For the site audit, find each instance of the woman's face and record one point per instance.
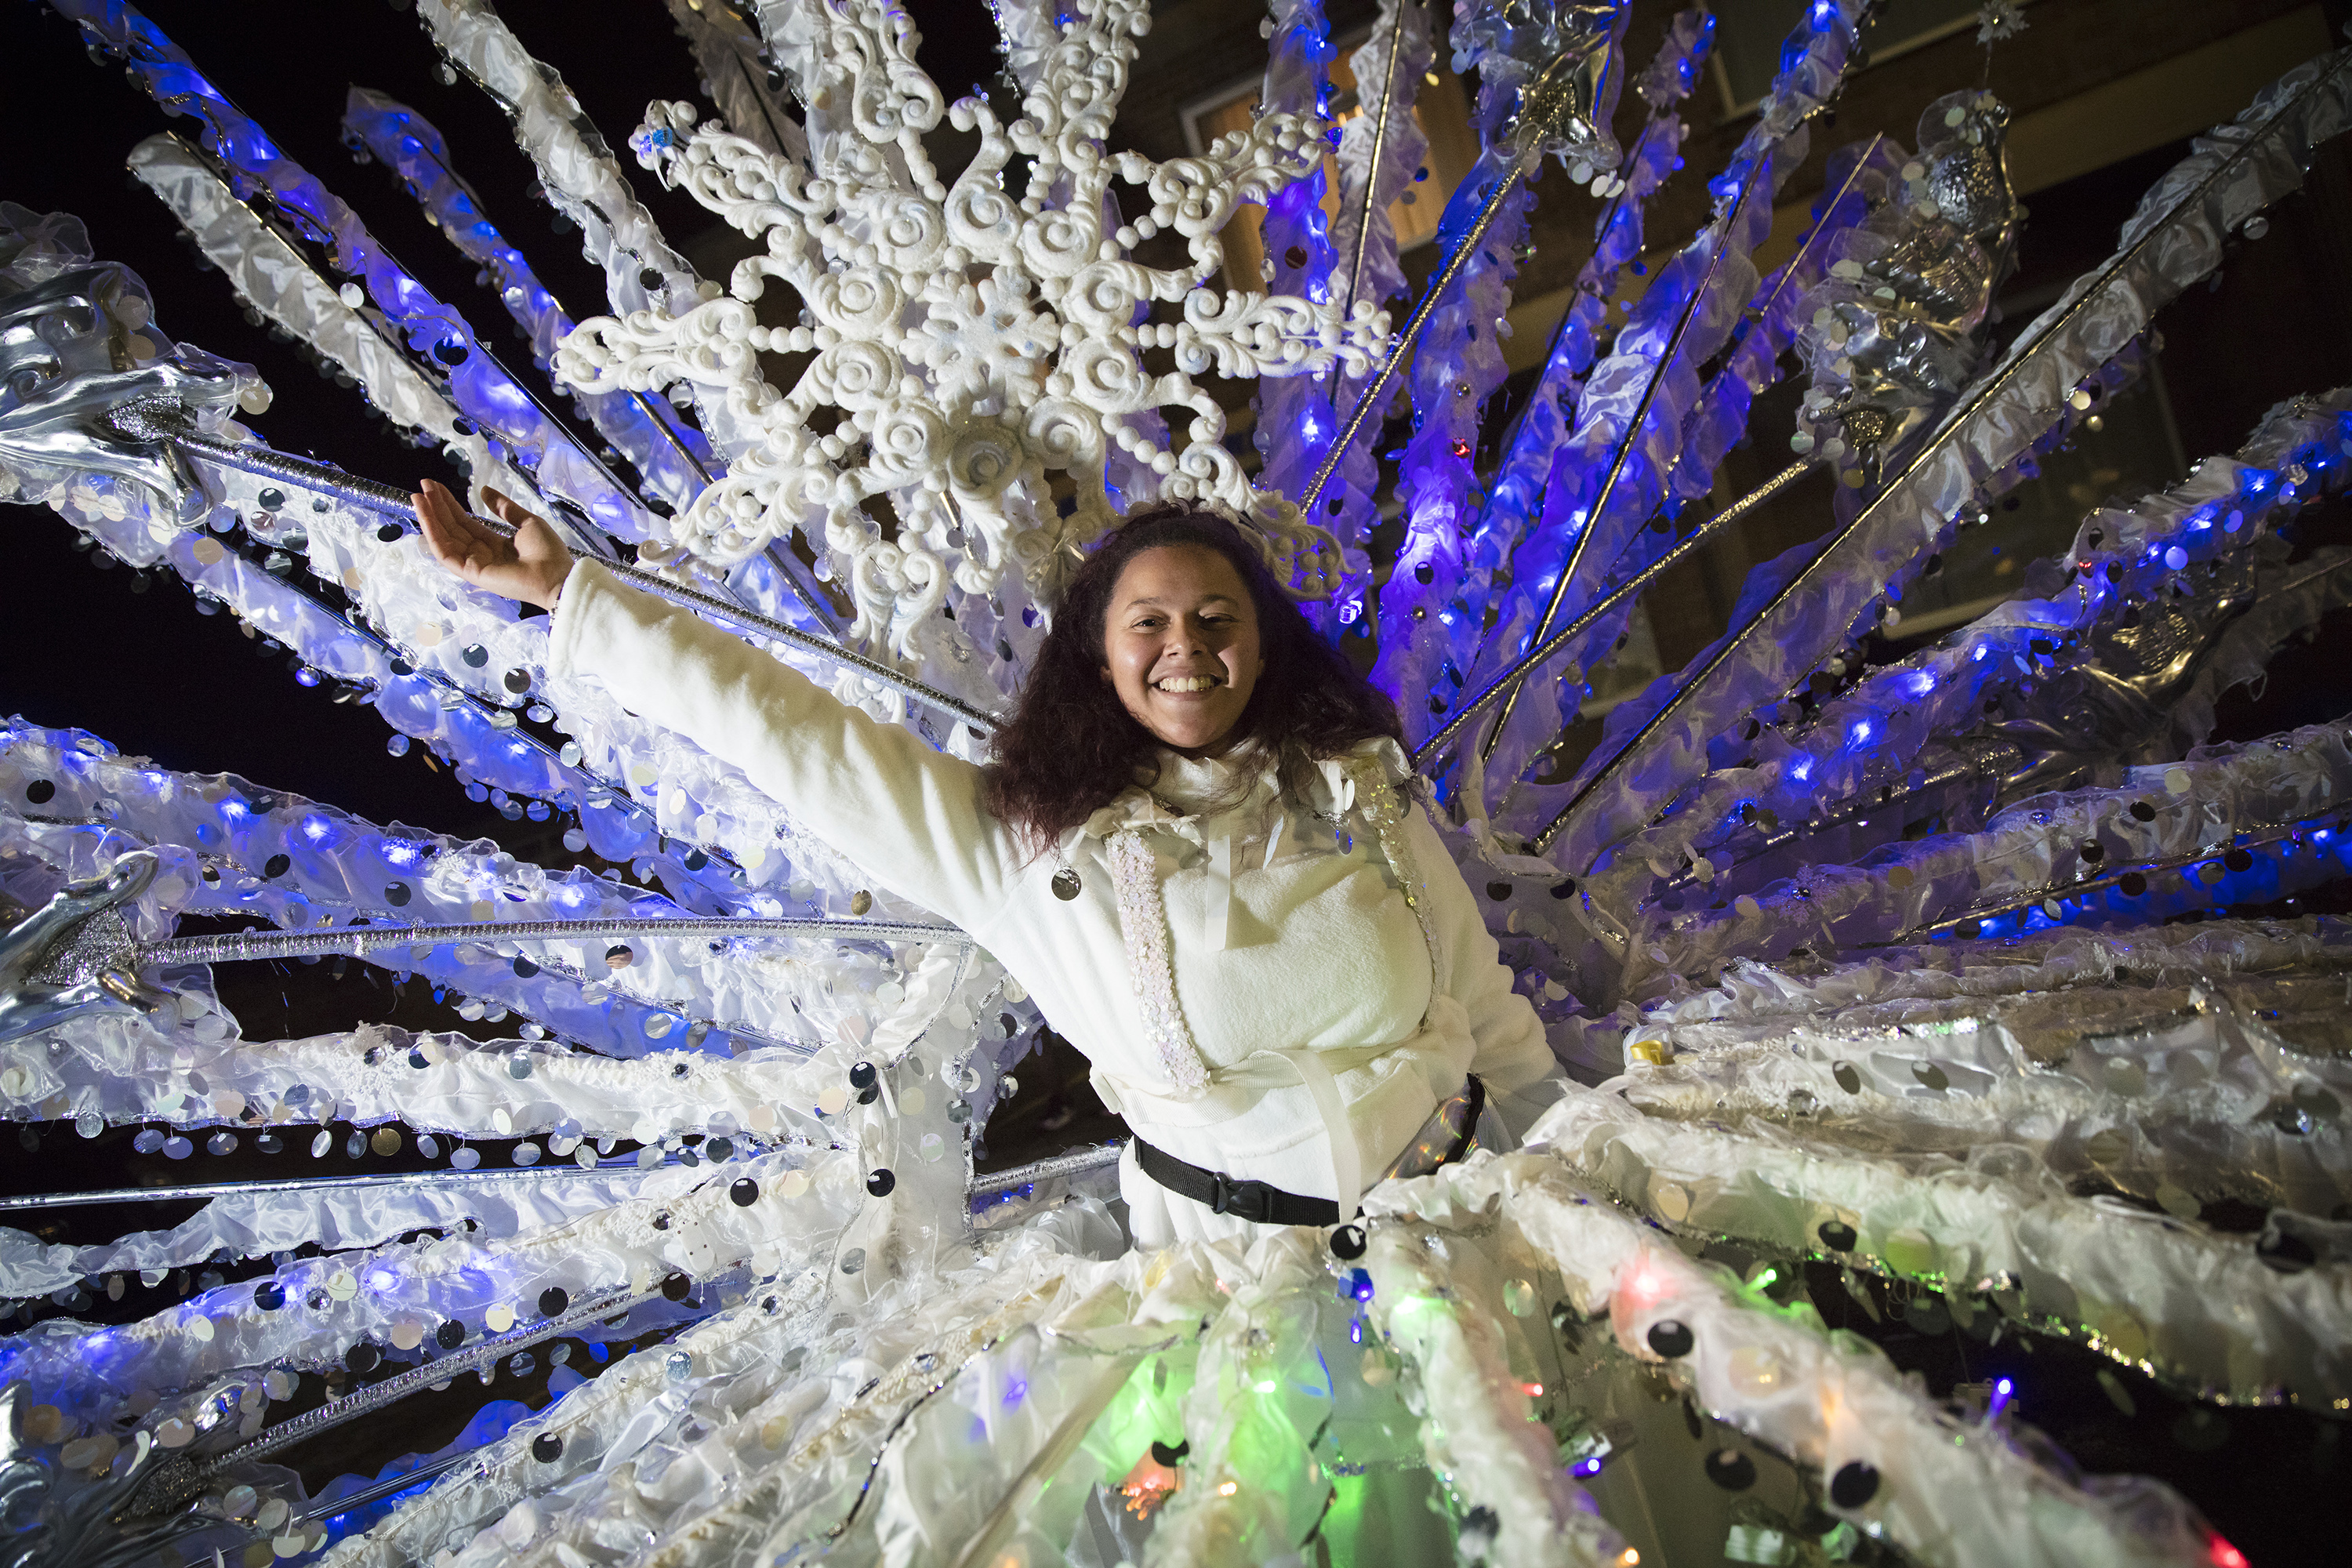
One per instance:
(1180, 646)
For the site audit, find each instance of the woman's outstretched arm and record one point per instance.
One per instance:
(907, 815)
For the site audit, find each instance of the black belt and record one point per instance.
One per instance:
(1255, 1201)
(1264, 1203)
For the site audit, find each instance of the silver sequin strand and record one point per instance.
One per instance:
(1143, 922)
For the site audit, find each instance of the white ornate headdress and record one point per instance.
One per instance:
(970, 344)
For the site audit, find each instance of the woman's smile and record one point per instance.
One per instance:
(1181, 647)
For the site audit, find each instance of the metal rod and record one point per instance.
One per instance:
(2267, 833)
(1859, 808)
(1077, 1162)
(394, 505)
(179, 1482)
(1379, 144)
(392, 1486)
(713, 607)
(1789, 267)
(789, 568)
(652, 411)
(2018, 355)
(207, 1191)
(1401, 346)
(759, 97)
(233, 947)
(1601, 231)
(1666, 358)
(555, 422)
(644, 404)
(305, 232)
(1433, 747)
(220, 453)
(268, 463)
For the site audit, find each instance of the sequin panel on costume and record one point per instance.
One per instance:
(1143, 922)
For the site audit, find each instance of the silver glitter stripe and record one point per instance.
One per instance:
(1077, 1162)
(178, 1483)
(444, 1177)
(1143, 923)
(392, 504)
(359, 940)
(1384, 806)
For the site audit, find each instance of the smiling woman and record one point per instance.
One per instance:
(1174, 596)
(1181, 647)
(1198, 803)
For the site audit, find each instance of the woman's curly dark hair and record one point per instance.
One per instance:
(1072, 746)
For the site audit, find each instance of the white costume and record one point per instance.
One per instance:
(1243, 981)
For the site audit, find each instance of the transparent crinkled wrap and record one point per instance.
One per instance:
(1011, 1405)
(1515, 491)
(2180, 1097)
(2182, 821)
(268, 271)
(1634, 417)
(1932, 714)
(2174, 239)
(670, 455)
(474, 384)
(251, 1225)
(2195, 1304)
(219, 835)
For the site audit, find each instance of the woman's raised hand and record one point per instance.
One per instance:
(530, 567)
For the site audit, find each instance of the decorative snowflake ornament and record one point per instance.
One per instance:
(970, 344)
(1999, 21)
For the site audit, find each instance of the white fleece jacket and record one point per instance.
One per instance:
(1286, 934)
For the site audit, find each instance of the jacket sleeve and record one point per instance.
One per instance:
(910, 817)
(1513, 1059)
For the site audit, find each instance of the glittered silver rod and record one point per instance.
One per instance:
(359, 940)
(712, 607)
(1400, 347)
(1379, 147)
(264, 462)
(206, 1191)
(393, 504)
(176, 1484)
(1667, 357)
(2261, 835)
(1076, 1164)
(2021, 353)
(1433, 748)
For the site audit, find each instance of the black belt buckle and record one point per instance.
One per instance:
(1251, 1201)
